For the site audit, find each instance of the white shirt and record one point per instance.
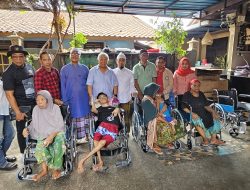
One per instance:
(125, 84)
(4, 104)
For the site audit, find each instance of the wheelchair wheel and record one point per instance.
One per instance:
(135, 126)
(219, 110)
(177, 145)
(189, 144)
(144, 148)
(178, 117)
(234, 132)
(26, 170)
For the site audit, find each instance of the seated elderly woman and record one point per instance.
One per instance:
(203, 117)
(159, 131)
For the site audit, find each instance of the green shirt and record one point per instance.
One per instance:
(144, 75)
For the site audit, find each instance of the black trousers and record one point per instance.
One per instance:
(20, 125)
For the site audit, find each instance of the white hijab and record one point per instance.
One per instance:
(46, 121)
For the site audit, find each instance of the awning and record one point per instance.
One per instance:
(182, 8)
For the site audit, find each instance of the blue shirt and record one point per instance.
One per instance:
(74, 89)
(102, 82)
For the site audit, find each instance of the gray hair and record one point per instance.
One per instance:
(102, 54)
(75, 50)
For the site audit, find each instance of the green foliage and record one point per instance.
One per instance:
(171, 36)
(221, 61)
(78, 40)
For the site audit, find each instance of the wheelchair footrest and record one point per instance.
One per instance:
(107, 152)
(30, 160)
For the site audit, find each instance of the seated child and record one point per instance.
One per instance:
(47, 127)
(165, 111)
(106, 133)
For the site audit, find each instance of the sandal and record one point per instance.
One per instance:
(9, 166)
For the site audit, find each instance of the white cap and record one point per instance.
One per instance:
(121, 56)
(75, 50)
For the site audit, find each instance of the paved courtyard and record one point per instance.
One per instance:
(221, 168)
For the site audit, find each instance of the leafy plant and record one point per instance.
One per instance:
(78, 40)
(171, 36)
(221, 61)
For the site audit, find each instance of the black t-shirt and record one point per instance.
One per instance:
(21, 81)
(105, 114)
(198, 106)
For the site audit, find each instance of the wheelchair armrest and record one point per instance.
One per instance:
(244, 95)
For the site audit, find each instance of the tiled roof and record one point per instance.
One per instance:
(91, 24)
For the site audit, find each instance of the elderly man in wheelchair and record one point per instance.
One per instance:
(202, 116)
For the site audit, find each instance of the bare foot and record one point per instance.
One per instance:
(98, 167)
(80, 168)
(38, 177)
(56, 174)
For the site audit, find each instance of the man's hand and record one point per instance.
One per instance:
(48, 141)
(25, 132)
(140, 95)
(20, 116)
(58, 102)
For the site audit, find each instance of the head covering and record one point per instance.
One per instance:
(184, 72)
(75, 50)
(151, 89)
(121, 56)
(47, 120)
(142, 51)
(16, 49)
(192, 82)
(101, 93)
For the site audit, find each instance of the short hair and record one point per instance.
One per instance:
(102, 54)
(101, 93)
(43, 53)
(161, 57)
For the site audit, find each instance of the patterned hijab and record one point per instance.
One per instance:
(46, 121)
(184, 72)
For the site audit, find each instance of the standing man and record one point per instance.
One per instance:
(18, 83)
(102, 78)
(164, 78)
(144, 73)
(126, 86)
(47, 78)
(74, 92)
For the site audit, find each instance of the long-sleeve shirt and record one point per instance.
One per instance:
(181, 83)
(125, 84)
(74, 89)
(50, 81)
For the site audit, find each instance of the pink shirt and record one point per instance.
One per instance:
(181, 83)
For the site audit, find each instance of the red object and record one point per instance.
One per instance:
(159, 81)
(204, 61)
(153, 50)
(184, 72)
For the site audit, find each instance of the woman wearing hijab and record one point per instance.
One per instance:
(182, 76)
(159, 131)
(203, 117)
(47, 127)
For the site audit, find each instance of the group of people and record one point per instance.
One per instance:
(82, 89)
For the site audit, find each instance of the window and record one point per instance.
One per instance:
(36, 44)
(4, 45)
(4, 62)
(94, 45)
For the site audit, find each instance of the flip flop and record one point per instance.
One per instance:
(102, 169)
(9, 166)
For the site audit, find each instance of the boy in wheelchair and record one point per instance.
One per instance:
(47, 127)
(106, 132)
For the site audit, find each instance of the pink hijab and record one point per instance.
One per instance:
(184, 72)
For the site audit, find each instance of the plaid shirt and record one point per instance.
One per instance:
(50, 81)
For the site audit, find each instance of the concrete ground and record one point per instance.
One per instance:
(224, 169)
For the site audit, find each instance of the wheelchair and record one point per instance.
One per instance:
(139, 130)
(118, 147)
(69, 157)
(231, 111)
